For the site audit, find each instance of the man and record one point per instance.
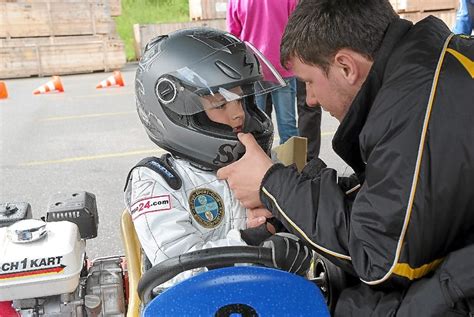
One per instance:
(404, 96)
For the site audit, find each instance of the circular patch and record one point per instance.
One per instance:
(206, 207)
(165, 91)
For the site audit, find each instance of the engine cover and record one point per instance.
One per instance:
(49, 265)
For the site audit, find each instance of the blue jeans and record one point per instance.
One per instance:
(284, 102)
(464, 18)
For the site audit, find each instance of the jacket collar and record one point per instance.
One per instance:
(346, 140)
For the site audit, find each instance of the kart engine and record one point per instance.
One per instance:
(44, 270)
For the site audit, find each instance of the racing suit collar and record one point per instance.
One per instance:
(346, 140)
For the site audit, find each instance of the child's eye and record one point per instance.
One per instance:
(220, 105)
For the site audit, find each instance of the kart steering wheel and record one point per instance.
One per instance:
(221, 256)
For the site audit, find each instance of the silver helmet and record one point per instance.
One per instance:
(177, 69)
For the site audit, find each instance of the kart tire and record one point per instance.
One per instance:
(331, 279)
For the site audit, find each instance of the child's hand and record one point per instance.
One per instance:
(257, 216)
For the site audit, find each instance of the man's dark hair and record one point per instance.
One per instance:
(317, 29)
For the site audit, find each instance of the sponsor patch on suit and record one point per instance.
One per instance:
(206, 207)
(152, 204)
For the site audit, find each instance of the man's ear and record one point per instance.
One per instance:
(347, 63)
(353, 66)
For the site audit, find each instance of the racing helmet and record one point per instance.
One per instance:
(178, 69)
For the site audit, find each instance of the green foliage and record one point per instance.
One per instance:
(148, 11)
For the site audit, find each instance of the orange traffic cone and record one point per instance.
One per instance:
(54, 85)
(113, 80)
(3, 90)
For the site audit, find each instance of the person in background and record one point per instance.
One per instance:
(465, 18)
(403, 94)
(309, 121)
(262, 22)
(195, 90)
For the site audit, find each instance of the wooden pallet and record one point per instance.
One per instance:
(114, 6)
(448, 16)
(59, 55)
(437, 5)
(39, 18)
(405, 6)
(207, 9)
(145, 32)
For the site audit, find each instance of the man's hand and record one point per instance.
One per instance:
(289, 253)
(245, 176)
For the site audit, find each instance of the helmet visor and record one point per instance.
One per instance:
(213, 81)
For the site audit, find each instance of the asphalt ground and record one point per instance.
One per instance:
(84, 139)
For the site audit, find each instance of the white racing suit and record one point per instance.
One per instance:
(172, 217)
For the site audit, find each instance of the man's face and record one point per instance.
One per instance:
(330, 91)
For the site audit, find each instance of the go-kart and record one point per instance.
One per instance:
(44, 271)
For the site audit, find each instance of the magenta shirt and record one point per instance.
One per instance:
(261, 22)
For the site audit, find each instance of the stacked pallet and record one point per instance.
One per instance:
(143, 33)
(115, 7)
(207, 9)
(416, 10)
(202, 13)
(52, 37)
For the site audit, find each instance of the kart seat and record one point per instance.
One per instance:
(134, 264)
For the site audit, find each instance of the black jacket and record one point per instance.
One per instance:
(409, 136)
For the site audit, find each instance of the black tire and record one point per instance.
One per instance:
(330, 278)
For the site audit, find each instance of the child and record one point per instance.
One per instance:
(194, 92)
